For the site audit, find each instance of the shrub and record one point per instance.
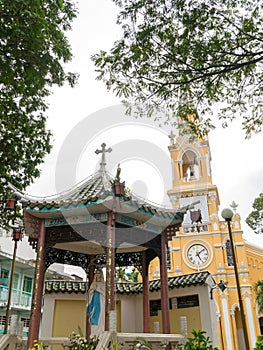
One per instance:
(199, 342)
(259, 343)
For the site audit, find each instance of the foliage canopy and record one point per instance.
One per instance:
(259, 293)
(255, 218)
(33, 49)
(177, 57)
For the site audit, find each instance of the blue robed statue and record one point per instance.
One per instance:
(96, 305)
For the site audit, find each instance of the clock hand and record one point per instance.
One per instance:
(198, 255)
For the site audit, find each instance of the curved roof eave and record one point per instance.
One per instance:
(96, 195)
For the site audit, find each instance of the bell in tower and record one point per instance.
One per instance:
(190, 166)
(192, 178)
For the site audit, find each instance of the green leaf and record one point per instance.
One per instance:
(33, 51)
(203, 52)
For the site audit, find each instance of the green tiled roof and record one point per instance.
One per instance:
(173, 282)
(183, 281)
(89, 190)
(93, 191)
(65, 287)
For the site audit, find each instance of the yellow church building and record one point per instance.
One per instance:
(202, 278)
(203, 244)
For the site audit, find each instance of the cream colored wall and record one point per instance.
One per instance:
(192, 315)
(118, 313)
(48, 315)
(69, 316)
(131, 313)
(50, 309)
(68, 311)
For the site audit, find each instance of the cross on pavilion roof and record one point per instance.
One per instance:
(96, 196)
(103, 158)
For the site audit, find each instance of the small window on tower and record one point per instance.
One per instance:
(190, 166)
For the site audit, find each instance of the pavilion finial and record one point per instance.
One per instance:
(117, 177)
(103, 158)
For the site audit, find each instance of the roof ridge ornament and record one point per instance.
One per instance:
(103, 158)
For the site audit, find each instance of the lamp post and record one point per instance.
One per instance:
(227, 214)
(221, 285)
(17, 236)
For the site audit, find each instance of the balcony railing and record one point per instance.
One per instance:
(19, 298)
(196, 227)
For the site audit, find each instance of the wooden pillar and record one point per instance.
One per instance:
(37, 287)
(91, 277)
(164, 286)
(146, 305)
(110, 269)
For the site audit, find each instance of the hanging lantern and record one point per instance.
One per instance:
(119, 188)
(17, 234)
(10, 204)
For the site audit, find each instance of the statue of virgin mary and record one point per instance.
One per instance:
(96, 305)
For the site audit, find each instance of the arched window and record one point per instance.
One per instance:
(229, 253)
(261, 324)
(190, 166)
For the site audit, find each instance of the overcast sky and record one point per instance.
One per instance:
(237, 167)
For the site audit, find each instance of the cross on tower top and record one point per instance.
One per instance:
(171, 137)
(103, 159)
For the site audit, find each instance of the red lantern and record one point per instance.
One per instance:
(119, 188)
(17, 234)
(10, 204)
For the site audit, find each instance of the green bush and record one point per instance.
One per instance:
(259, 343)
(199, 342)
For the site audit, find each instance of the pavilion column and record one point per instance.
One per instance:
(110, 271)
(37, 287)
(146, 305)
(91, 277)
(164, 286)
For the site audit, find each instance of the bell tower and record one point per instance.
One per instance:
(192, 180)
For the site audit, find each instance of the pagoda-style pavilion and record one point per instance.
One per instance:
(99, 223)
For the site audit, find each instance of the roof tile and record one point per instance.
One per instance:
(194, 279)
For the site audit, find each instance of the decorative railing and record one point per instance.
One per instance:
(125, 340)
(157, 341)
(11, 342)
(189, 228)
(19, 298)
(105, 339)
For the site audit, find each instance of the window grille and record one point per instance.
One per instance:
(229, 254)
(25, 321)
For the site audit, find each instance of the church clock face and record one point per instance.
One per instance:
(197, 254)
